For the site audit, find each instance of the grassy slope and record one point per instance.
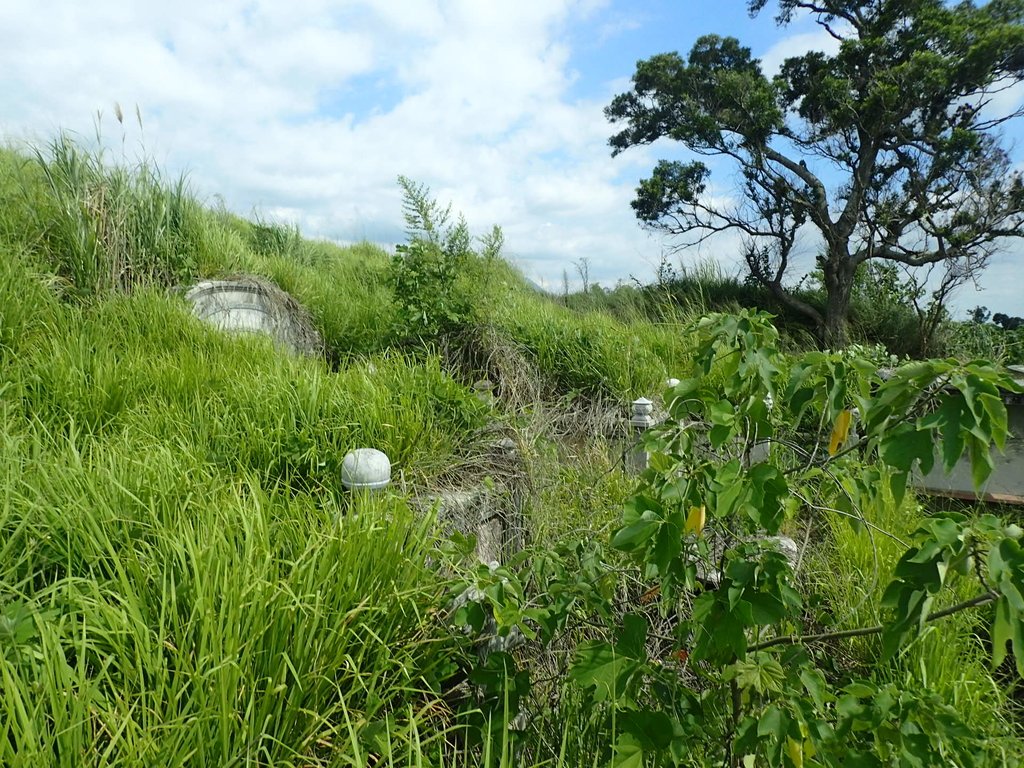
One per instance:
(175, 585)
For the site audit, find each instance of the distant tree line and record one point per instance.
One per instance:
(1006, 322)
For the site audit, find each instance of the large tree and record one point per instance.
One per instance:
(889, 149)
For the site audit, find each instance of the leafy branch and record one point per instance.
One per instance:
(713, 656)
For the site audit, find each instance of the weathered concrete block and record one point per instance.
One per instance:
(1006, 483)
(474, 512)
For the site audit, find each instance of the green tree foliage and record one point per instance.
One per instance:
(1006, 322)
(979, 315)
(887, 148)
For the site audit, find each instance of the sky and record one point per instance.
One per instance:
(307, 111)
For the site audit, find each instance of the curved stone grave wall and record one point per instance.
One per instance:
(251, 305)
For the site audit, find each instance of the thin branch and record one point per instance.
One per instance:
(860, 519)
(982, 599)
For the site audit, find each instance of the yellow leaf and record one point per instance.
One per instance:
(795, 750)
(695, 520)
(840, 432)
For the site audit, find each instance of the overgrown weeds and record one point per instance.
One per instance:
(110, 227)
(184, 580)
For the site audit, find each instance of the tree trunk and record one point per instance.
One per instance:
(839, 273)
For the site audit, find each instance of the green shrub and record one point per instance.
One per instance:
(431, 275)
(423, 277)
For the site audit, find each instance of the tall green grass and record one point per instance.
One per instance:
(852, 567)
(592, 353)
(143, 366)
(182, 581)
(110, 226)
(190, 619)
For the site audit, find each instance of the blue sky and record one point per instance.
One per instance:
(307, 111)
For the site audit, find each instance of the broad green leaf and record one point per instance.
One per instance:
(727, 475)
(837, 392)
(741, 572)
(861, 690)
(1002, 630)
(675, 490)
(981, 462)
(1012, 594)
(601, 666)
(632, 536)
(911, 606)
(795, 751)
(772, 722)
(857, 759)
(471, 614)
(765, 608)
(898, 486)
(719, 434)
(949, 419)
(996, 411)
(922, 567)
(728, 487)
(768, 489)
(633, 636)
(759, 673)
(997, 565)
(946, 530)
(814, 683)
(628, 753)
(799, 401)
(652, 730)
(17, 625)
(721, 633)
(849, 706)
(723, 412)
(903, 445)
(1018, 645)
(667, 545)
